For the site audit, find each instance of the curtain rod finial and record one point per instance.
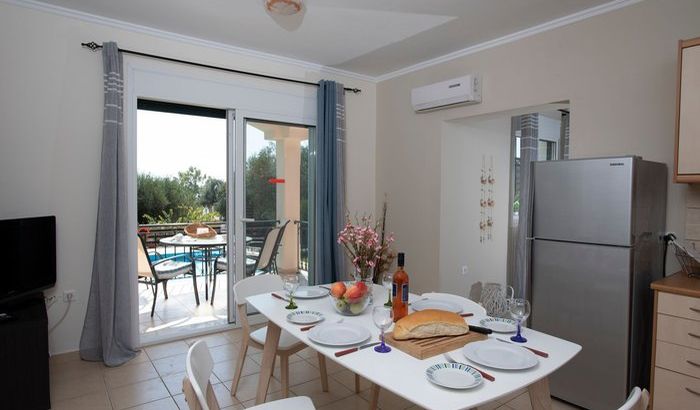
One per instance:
(91, 45)
(354, 90)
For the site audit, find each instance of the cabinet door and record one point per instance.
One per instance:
(688, 121)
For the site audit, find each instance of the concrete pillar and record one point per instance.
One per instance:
(288, 161)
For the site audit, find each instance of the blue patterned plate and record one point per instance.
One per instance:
(454, 375)
(305, 317)
(499, 325)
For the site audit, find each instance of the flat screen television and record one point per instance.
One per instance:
(27, 256)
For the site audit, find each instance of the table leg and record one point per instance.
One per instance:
(540, 398)
(268, 361)
(374, 397)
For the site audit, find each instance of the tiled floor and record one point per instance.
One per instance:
(179, 314)
(154, 381)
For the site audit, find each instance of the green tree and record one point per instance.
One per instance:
(260, 194)
(191, 181)
(213, 195)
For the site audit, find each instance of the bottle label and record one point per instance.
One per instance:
(393, 290)
(404, 292)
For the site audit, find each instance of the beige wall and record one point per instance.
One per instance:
(616, 69)
(50, 134)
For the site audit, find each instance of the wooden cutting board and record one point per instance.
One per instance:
(425, 348)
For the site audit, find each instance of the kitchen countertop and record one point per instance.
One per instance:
(678, 283)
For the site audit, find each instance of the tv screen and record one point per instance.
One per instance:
(28, 255)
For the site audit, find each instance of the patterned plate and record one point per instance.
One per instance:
(305, 317)
(499, 325)
(454, 375)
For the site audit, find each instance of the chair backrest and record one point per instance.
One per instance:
(269, 248)
(199, 368)
(143, 265)
(250, 286)
(469, 305)
(637, 400)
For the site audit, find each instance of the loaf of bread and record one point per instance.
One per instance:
(430, 323)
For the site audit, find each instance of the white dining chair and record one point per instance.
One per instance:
(288, 344)
(468, 305)
(637, 400)
(199, 393)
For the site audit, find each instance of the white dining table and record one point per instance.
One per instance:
(403, 374)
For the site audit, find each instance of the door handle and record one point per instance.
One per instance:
(696, 310)
(247, 220)
(694, 335)
(692, 391)
(693, 363)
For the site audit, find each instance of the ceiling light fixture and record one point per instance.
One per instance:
(283, 7)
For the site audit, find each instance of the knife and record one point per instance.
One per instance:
(535, 351)
(354, 349)
(479, 329)
(274, 295)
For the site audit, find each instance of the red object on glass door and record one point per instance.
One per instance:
(276, 180)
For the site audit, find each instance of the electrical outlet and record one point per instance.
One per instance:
(465, 270)
(70, 295)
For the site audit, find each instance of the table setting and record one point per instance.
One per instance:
(466, 376)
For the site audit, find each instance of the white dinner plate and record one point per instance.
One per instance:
(454, 375)
(498, 355)
(305, 317)
(339, 334)
(499, 325)
(438, 304)
(310, 292)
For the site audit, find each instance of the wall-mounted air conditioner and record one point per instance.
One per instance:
(445, 94)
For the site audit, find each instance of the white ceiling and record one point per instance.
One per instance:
(369, 37)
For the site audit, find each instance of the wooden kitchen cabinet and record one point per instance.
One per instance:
(687, 158)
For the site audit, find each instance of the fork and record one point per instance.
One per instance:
(483, 373)
(535, 351)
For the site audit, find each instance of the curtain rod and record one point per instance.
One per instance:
(94, 47)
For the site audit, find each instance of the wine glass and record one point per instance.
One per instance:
(383, 317)
(291, 283)
(388, 282)
(519, 310)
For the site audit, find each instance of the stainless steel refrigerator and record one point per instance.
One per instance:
(597, 244)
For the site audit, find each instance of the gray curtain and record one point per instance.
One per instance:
(330, 182)
(528, 154)
(110, 333)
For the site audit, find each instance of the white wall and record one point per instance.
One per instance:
(464, 143)
(618, 70)
(50, 133)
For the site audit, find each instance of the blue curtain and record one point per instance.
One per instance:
(329, 259)
(110, 333)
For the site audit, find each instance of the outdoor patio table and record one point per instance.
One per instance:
(207, 245)
(403, 374)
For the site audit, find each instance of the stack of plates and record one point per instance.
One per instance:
(310, 292)
(438, 304)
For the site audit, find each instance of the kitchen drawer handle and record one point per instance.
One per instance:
(693, 363)
(696, 310)
(692, 391)
(694, 335)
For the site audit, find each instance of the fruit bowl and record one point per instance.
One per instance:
(350, 298)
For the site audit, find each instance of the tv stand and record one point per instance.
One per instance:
(24, 355)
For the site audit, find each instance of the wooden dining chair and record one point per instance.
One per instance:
(637, 400)
(162, 270)
(288, 344)
(199, 393)
(469, 305)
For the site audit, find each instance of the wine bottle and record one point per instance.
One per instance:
(399, 290)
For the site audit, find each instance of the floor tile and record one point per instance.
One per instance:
(247, 387)
(163, 404)
(223, 396)
(505, 399)
(225, 352)
(93, 401)
(173, 382)
(349, 403)
(138, 393)
(302, 372)
(167, 349)
(225, 370)
(521, 402)
(313, 389)
(63, 388)
(171, 365)
(234, 335)
(180, 401)
(212, 340)
(128, 374)
(388, 400)
(64, 357)
(347, 379)
(76, 369)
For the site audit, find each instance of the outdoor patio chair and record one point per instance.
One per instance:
(259, 264)
(162, 270)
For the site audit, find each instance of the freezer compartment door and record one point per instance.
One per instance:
(581, 293)
(586, 201)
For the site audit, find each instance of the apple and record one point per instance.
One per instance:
(338, 289)
(353, 293)
(357, 308)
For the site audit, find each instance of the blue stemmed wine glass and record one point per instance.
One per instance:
(519, 310)
(383, 317)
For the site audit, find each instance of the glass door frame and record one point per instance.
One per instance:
(237, 205)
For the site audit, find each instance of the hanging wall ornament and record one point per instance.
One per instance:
(483, 201)
(490, 202)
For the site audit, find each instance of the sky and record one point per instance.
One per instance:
(169, 143)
